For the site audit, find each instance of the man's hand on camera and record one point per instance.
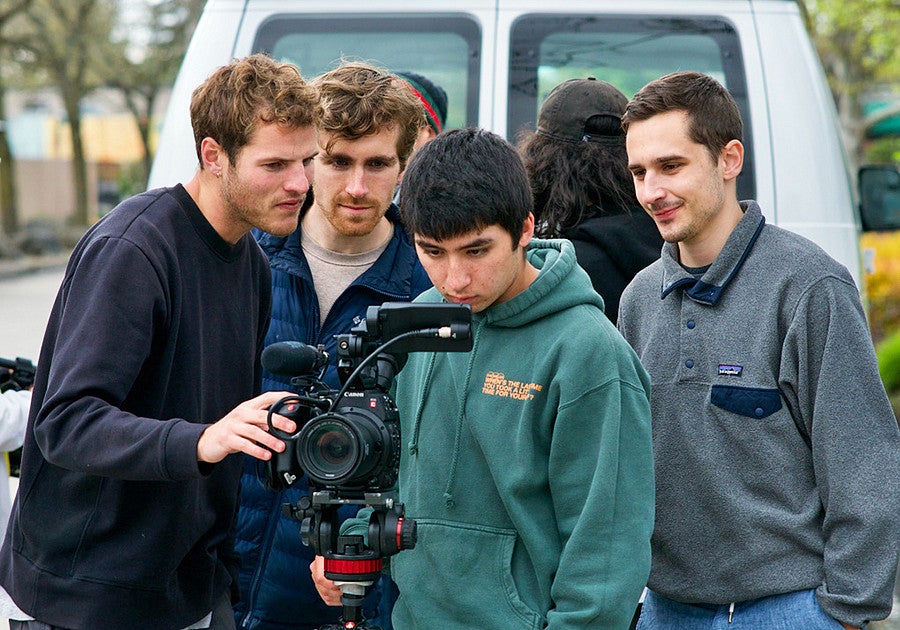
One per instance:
(328, 591)
(245, 430)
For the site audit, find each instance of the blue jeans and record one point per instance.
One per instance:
(787, 611)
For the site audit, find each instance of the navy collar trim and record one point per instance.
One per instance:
(710, 294)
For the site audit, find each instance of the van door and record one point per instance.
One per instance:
(444, 45)
(627, 50)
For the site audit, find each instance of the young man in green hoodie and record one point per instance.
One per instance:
(527, 462)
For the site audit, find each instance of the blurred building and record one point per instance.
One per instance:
(38, 133)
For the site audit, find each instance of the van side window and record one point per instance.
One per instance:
(446, 48)
(627, 51)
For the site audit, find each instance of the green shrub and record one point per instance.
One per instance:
(889, 362)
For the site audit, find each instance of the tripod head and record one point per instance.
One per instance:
(351, 561)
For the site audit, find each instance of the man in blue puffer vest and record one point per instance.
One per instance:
(350, 252)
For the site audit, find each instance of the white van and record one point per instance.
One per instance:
(498, 59)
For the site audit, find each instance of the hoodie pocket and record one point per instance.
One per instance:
(461, 575)
(746, 401)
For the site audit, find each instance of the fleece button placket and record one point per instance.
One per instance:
(688, 336)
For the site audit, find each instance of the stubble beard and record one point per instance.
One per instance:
(242, 206)
(354, 226)
(698, 219)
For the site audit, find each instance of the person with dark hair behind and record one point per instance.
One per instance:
(582, 188)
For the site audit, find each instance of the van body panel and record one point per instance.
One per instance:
(816, 189)
(498, 59)
(176, 156)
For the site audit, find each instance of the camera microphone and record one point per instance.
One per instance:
(290, 358)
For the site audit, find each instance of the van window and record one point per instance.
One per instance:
(627, 51)
(447, 49)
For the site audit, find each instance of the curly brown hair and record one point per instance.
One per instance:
(359, 100)
(236, 98)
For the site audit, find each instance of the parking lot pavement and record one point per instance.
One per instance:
(11, 268)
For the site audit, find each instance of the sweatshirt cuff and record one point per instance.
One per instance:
(180, 451)
(842, 610)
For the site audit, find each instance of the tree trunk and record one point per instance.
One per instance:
(147, 156)
(79, 164)
(141, 107)
(9, 202)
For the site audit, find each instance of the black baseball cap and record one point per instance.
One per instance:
(583, 110)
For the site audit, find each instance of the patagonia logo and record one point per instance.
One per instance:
(730, 370)
(496, 384)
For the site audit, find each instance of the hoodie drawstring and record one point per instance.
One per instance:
(417, 424)
(451, 477)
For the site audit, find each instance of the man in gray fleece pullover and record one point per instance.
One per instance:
(777, 453)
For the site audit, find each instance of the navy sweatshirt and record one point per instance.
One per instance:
(156, 332)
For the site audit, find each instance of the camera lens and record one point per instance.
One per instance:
(333, 444)
(328, 449)
(349, 447)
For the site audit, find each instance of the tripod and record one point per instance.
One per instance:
(352, 561)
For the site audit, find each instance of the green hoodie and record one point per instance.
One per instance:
(527, 465)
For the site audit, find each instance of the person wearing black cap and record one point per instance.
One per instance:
(582, 188)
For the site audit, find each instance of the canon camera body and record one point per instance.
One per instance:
(348, 440)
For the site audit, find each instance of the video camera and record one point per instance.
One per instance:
(348, 441)
(16, 375)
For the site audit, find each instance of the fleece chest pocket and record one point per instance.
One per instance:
(752, 402)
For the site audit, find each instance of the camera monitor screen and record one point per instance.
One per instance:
(395, 318)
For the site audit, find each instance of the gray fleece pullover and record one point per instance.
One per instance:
(777, 453)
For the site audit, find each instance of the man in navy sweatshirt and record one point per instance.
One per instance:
(149, 378)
